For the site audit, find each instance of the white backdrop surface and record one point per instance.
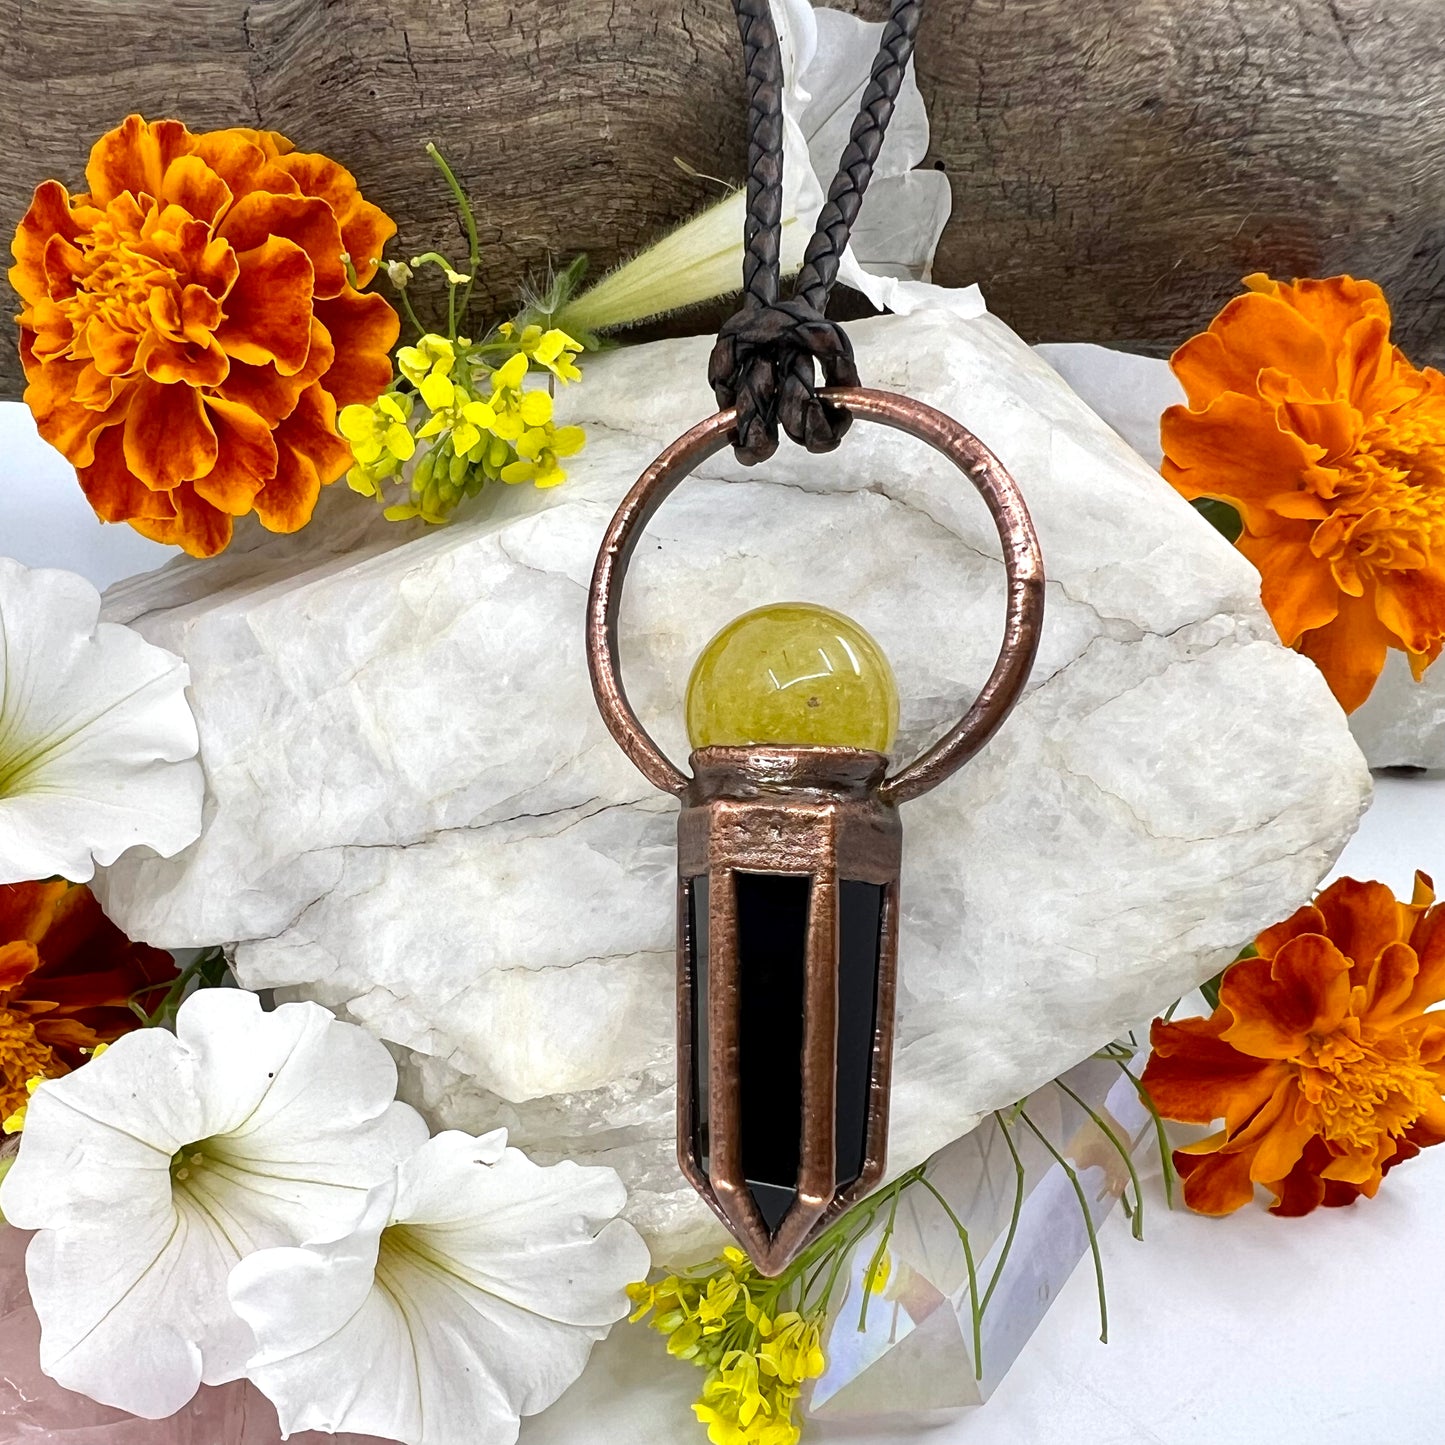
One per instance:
(1328, 1330)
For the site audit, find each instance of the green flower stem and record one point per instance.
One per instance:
(975, 1306)
(474, 250)
(1013, 1224)
(1073, 1178)
(1166, 1157)
(448, 270)
(207, 969)
(840, 1256)
(411, 315)
(1137, 1218)
(875, 1260)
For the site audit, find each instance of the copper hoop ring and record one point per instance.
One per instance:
(1022, 561)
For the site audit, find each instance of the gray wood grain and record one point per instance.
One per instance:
(1117, 164)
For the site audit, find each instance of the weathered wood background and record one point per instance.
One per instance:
(1117, 165)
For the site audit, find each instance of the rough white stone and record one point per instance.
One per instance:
(1402, 722)
(416, 816)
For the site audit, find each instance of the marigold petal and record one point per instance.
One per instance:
(1302, 1190)
(1281, 1143)
(310, 455)
(363, 329)
(262, 216)
(1252, 333)
(1333, 426)
(1362, 1167)
(51, 213)
(1303, 920)
(192, 185)
(27, 910)
(135, 157)
(194, 363)
(1298, 590)
(197, 527)
(1350, 651)
(365, 228)
(1235, 450)
(1388, 985)
(245, 458)
(268, 311)
(1216, 1181)
(1277, 1003)
(1411, 603)
(270, 395)
(1362, 918)
(168, 438)
(114, 491)
(71, 428)
(234, 156)
(19, 958)
(1428, 941)
(1195, 1077)
(112, 350)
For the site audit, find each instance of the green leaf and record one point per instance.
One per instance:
(1221, 516)
(1210, 989)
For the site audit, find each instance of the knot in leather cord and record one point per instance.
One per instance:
(768, 354)
(765, 363)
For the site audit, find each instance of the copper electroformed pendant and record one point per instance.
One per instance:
(788, 866)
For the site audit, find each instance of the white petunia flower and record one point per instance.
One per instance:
(153, 1169)
(469, 1292)
(827, 60)
(97, 741)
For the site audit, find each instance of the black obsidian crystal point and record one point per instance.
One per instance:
(772, 911)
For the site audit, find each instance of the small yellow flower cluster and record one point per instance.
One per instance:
(725, 1319)
(466, 439)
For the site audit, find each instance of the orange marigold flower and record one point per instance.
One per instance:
(1331, 446)
(1321, 1058)
(189, 328)
(66, 972)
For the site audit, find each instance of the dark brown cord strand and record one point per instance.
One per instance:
(768, 353)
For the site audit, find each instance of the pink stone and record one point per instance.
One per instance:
(34, 1410)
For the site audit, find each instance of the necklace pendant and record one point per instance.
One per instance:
(788, 862)
(788, 889)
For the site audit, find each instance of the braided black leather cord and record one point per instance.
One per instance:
(767, 353)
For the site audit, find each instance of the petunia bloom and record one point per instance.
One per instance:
(151, 1171)
(97, 741)
(189, 328)
(1321, 1059)
(466, 1292)
(1330, 445)
(66, 975)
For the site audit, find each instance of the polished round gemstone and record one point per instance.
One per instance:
(793, 674)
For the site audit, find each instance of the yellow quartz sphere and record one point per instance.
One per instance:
(793, 674)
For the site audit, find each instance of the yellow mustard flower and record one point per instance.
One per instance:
(795, 1351)
(538, 451)
(879, 1272)
(552, 348)
(432, 355)
(724, 1320)
(380, 440)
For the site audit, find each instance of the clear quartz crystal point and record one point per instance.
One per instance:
(913, 1361)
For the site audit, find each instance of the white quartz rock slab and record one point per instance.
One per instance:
(416, 816)
(1402, 722)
